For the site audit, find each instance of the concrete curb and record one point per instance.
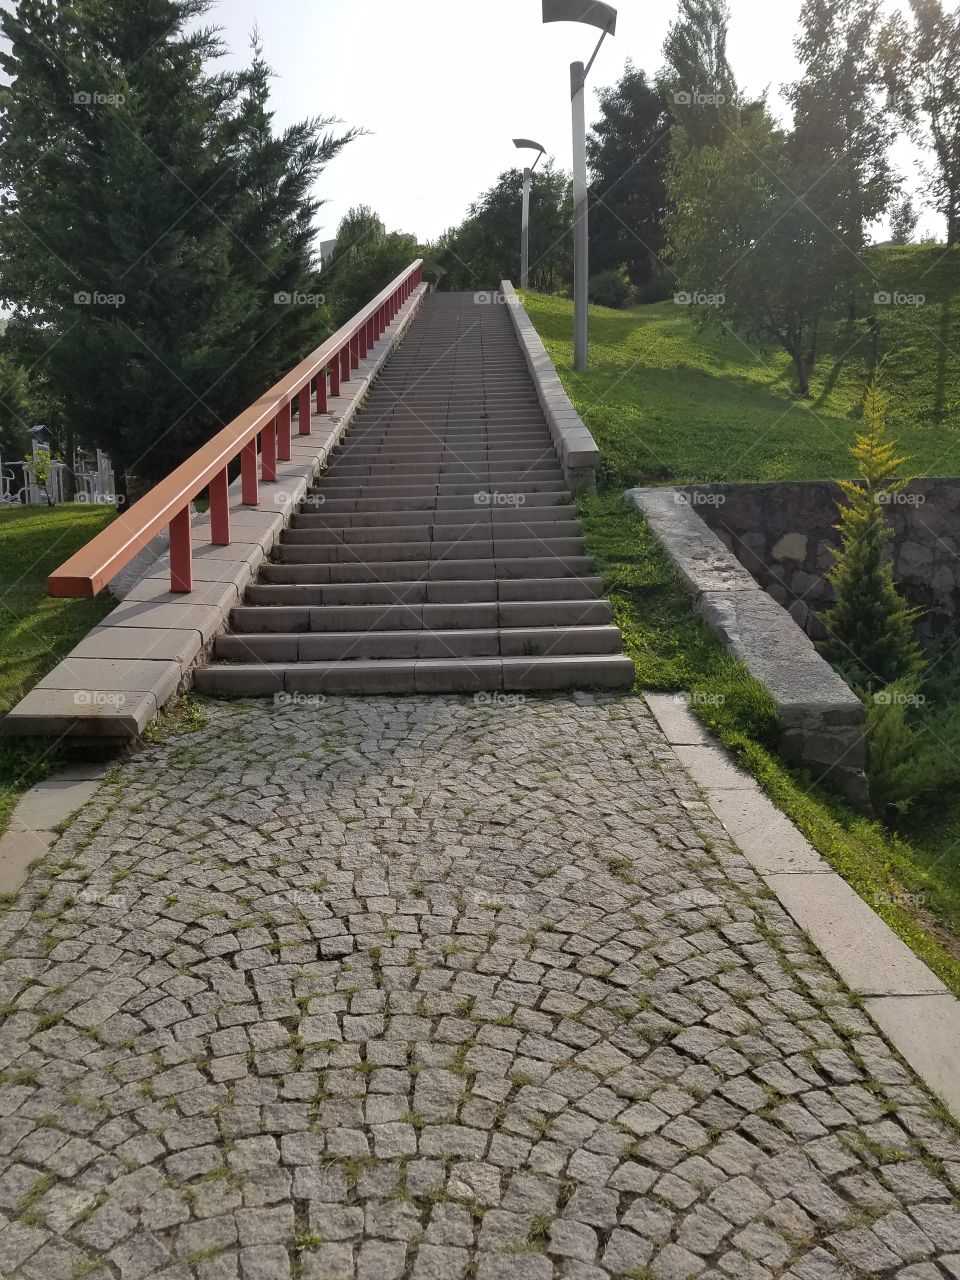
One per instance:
(32, 830)
(908, 1002)
(575, 446)
(821, 719)
(115, 682)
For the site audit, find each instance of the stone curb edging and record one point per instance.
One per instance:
(39, 812)
(116, 680)
(821, 719)
(916, 1012)
(575, 446)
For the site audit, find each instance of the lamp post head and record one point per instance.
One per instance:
(592, 12)
(527, 144)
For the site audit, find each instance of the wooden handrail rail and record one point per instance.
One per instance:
(167, 504)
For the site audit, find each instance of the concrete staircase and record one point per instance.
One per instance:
(440, 551)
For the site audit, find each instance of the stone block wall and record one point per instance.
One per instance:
(821, 719)
(782, 533)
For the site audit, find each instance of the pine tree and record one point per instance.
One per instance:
(697, 75)
(365, 259)
(870, 626)
(841, 131)
(130, 237)
(273, 223)
(903, 221)
(920, 60)
(628, 148)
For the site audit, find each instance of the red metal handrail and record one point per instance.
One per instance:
(269, 420)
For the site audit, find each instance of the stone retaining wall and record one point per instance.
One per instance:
(782, 533)
(821, 719)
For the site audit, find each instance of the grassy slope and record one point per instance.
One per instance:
(36, 630)
(666, 403)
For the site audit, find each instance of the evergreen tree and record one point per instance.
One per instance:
(273, 225)
(871, 628)
(129, 237)
(697, 75)
(841, 128)
(485, 248)
(903, 221)
(921, 60)
(628, 149)
(366, 257)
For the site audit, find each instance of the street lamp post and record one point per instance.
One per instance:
(526, 144)
(604, 16)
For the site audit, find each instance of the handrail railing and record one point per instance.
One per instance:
(268, 421)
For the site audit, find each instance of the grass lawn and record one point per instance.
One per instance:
(668, 404)
(35, 629)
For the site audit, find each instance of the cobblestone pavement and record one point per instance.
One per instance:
(416, 988)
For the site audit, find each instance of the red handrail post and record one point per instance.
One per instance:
(345, 364)
(304, 411)
(335, 375)
(322, 391)
(181, 553)
(268, 452)
(219, 510)
(285, 432)
(354, 349)
(362, 344)
(249, 485)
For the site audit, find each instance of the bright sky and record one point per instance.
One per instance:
(444, 85)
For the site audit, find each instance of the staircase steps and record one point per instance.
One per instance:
(440, 550)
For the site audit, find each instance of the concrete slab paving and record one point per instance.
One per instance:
(926, 1029)
(443, 987)
(673, 715)
(852, 937)
(769, 840)
(713, 768)
(173, 643)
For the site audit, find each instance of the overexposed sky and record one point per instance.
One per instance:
(444, 85)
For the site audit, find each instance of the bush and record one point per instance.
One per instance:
(870, 627)
(911, 749)
(610, 289)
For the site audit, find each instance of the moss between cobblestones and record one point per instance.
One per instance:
(674, 651)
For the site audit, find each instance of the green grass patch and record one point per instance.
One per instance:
(36, 630)
(913, 884)
(669, 404)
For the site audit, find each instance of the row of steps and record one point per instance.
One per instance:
(440, 550)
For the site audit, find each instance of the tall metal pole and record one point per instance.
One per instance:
(525, 232)
(581, 249)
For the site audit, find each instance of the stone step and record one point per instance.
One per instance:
(421, 642)
(435, 570)
(457, 549)
(332, 488)
(416, 675)
(393, 616)
(389, 453)
(440, 549)
(457, 469)
(480, 529)
(270, 592)
(322, 518)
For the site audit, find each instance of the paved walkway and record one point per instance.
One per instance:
(419, 988)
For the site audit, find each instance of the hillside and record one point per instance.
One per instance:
(668, 403)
